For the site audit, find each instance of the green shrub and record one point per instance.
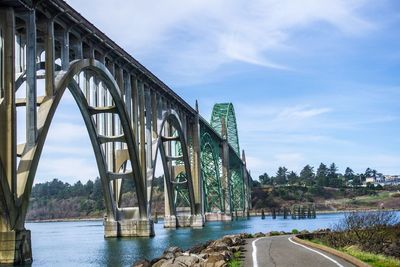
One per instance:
(273, 233)
(295, 231)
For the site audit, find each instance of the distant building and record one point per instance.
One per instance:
(370, 180)
(391, 179)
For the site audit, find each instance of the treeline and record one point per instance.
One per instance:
(323, 176)
(58, 200)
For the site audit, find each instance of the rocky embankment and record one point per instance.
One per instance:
(211, 254)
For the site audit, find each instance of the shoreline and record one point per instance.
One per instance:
(252, 214)
(66, 220)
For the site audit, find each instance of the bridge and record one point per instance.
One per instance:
(132, 118)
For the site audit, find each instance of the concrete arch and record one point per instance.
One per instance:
(30, 158)
(172, 119)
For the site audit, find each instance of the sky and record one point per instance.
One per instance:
(311, 81)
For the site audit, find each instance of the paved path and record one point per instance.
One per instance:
(281, 251)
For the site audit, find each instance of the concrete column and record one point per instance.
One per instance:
(31, 95)
(246, 184)
(135, 108)
(49, 60)
(142, 131)
(128, 95)
(154, 114)
(8, 117)
(15, 244)
(226, 183)
(170, 219)
(196, 165)
(148, 117)
(65, 50)
(86, 86)
(117, 184)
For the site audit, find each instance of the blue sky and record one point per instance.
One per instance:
(311, 81)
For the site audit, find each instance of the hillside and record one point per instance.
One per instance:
(325, 198)
(57, 200)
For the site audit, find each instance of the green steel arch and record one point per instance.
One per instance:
(223, 115)
(226, 113)
(237, 187)
(210, 171)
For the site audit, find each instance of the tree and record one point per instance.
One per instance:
(368, 172)
(332, 171)
(255, 183)
(322, 175)
(292, 177)
(357, 180)
(264, 179)
(307, 174)
(348, 174)
(333, 177)
(281, 175)
(89, 187)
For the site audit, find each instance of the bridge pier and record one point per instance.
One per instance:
(172, 221)
(128, 228)
(217, 216)
(15, 247)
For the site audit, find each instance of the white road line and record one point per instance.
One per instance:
(323, 255)
(254, 254)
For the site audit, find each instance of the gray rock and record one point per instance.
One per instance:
(142, 263)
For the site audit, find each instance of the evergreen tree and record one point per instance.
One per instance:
(333, 177)
(348, 174)
(292, 177)
(264, 179)
(307, 175)
(281, 175)
(368, 173)
(322, 175)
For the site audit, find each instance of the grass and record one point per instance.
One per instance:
(235, 261)
(375, 260)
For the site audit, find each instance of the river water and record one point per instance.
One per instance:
(82, 243)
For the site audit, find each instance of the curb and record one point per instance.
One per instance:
(332, 251)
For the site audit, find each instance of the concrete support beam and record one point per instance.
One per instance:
(49, 60)
(142, 131)
(225, 181)
(135, 108)
(196, 166)
(8, 135)
(15, 245)
(65, 50)
(31, 95)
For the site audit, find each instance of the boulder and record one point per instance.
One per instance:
(214, 257)
(172, 252)
(187, 260)
(158, 263)
(142, 263)
(198, 248)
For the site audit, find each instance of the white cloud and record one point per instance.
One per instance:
(274, 117)
(212, 33)
(301, 113)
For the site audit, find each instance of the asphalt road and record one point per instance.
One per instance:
(280, 251)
